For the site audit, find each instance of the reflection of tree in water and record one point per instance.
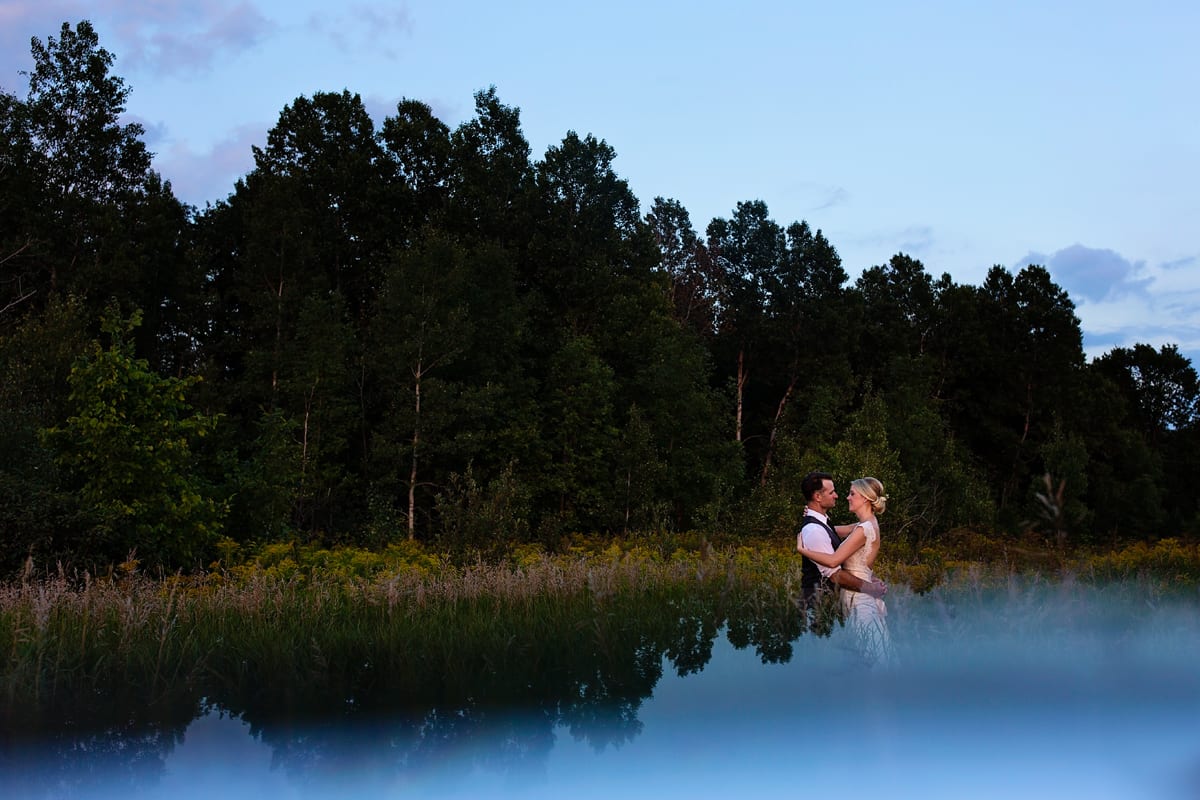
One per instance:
(116, 738)
(766, 616)
(496, 702)
(396, 708)
(499, 703)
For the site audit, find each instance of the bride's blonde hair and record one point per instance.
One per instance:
(871, 489)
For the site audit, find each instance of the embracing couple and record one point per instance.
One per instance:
(839, 558)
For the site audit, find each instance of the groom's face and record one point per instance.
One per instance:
(827, 497)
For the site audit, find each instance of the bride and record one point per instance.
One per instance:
(856, 554)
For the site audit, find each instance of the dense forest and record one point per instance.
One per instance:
(408, 331)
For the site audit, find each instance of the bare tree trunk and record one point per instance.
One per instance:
(1028, 410)
(741, 385)
(308, 404)
(628, 495)
(416, 441)
(1012, 480)
(775, 428)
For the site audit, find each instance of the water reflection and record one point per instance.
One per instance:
(1034, 690)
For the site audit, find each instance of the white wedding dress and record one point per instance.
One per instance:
(867, 615)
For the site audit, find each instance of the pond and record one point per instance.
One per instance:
(1031, 689)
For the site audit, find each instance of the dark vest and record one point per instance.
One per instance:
(811, 578)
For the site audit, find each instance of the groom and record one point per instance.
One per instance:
(817, 534)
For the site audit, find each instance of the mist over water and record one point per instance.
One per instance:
(1028, 690)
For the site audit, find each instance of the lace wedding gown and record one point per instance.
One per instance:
(867, 615)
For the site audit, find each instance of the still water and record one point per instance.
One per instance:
(1051, 690)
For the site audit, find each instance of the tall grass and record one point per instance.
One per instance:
(294, 629)
(280, 634)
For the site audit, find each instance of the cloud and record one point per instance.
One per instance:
(913, 240)
(1122, 302)
(200, 178)
(823, 196)
(374, 27)
(1139, 321)
(20, 21)
(381, 108)
(155, 132)
(166, 36)
(1092, 274)
(187, 37)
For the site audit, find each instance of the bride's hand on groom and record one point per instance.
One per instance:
(875, 588)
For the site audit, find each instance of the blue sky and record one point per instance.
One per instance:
(964, 134)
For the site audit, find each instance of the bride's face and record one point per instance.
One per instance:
(854, 500)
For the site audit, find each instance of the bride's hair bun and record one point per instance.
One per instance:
(872, 489)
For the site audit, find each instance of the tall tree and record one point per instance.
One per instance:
(421, 328)
(324, 151)
(295, 259)
(1157, 391)
(83, 158)
(1160, 387)
(580, 435)
(19, 190)
(490, 173)
(589, 242)
(417, 150)
(694, 284)
(810, 328)
(83, 211)
(748, 249)
(1014, 352)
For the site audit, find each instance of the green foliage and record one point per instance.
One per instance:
(40, 515)
(489, 521)
(129, 444)
(1066, 459)
(262, 487)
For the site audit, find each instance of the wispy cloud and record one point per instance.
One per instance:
(822, 196)
(377, 27)
(915, 240)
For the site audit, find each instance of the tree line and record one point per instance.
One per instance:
(413, 331)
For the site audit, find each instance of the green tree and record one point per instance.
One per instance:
(1158, 392)
(747, 249)
(82, 212)
(40, 514)
(130, 443)
(1160, 387)
(421, 328)
(580, 433)
(809, 332)
(1012, 357)
(899, 322)
(325, 153)
(83, 162)
(693, 283)
(295, 260)
(490, 174)
(417, 155)
(590, 239)
(19, 187)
